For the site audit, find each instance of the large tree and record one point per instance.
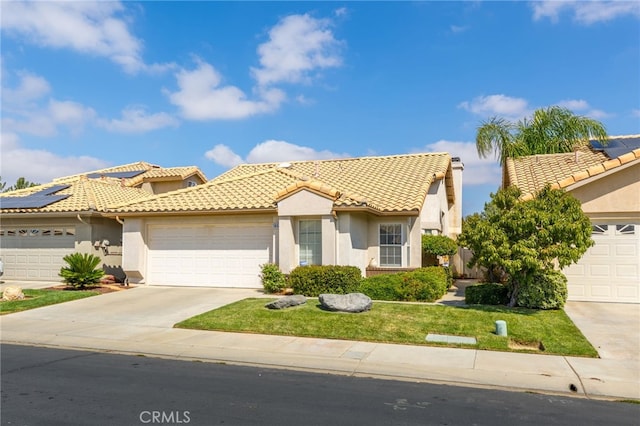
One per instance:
(550, 130)
(527, 239)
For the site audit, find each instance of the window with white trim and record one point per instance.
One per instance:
(390, 244)
(310, 241)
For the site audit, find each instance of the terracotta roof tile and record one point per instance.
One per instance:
(385, 184)
(100, 193)
(84, 195)
(531, 173)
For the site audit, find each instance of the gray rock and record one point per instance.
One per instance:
(287, 302)
(352, 302)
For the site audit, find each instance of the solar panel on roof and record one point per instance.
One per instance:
(36, 200)
(617, 146)
(117, 175)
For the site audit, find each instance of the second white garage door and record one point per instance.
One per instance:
(211, 256)
(610, 270)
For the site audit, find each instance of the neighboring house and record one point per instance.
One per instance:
(42, 224)
(606, 180)
(367, 212)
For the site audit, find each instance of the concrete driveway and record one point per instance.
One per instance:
(139, 306)
(612, 328)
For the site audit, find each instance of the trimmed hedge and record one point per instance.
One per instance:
(313, 280)
(545, 290)
(422, 285)
(487, 294)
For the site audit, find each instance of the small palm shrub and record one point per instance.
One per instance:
(82, 270)
(273, 280)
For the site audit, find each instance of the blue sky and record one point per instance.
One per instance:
(213, 84)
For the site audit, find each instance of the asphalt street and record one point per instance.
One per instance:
(43, 386)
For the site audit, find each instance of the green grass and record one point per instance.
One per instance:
(37, 298)
(402, 323)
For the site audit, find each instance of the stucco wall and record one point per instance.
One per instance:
(353, 243)
(616, 195)
(305, 203)
(434, 205)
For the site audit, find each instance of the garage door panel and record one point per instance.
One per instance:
(626, 250)
(225, 256)
(601, 290)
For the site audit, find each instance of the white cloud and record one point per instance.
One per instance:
(577, 105)
(635, 113)
(477, 171)
(137, 120)
(298, 45)
(223, 155)
(37, 165)
(574, 104)
(500, 105)
(270, 151)
(46, 120)
(201, 96)
(274, 151)
(96, 28)
(585, 12)
(597, 114)
(30, 88)
(456, 29)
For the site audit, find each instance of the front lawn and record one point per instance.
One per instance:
(38, 298)
(402, 323)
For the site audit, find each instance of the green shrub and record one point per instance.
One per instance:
(273, 280)
(545, 290)
(82, 270)
(381, 287)
(439, 245)
(422, 285)
(313, 280)
(487, 294)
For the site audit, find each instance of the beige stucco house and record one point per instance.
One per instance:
(367, 212)
(42, 224)
(606, 180)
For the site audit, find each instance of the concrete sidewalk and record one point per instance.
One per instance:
(118, 325)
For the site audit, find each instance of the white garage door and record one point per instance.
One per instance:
(610, 270)
(35, 253)
(216, 256)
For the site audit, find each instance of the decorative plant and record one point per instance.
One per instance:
(273, 280)
(82, 270)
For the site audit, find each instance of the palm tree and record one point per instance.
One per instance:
(551, 130)
(21, 183)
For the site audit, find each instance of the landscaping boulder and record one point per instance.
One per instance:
(12, 293)
(352, 302)
(287, 302)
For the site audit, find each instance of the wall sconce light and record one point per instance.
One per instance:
(105, 246)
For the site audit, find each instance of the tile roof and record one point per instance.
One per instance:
(152, 173)
(84, 195)
(381, 184)
(99, 193)
(131, 167)
(532, 173)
